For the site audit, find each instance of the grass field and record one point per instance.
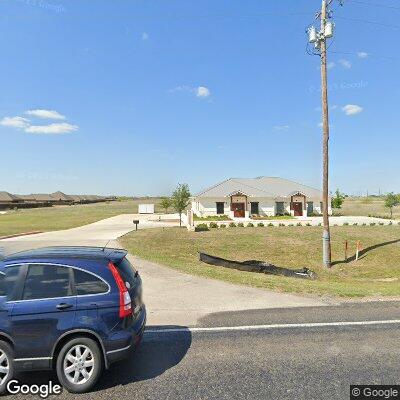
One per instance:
(64, 217)
(367, 206)
(377, 273)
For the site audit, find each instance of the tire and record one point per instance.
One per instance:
(79, 374)
(6, 362)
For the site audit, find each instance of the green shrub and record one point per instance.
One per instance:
(299, 224)
(281, 224)
(291, 225)
(390, 223)
(364, 224)
(201, 228)
(381, 223)
(270, 224)
(213, 225)
(222, 226)
(308, 224)
(345, 224)
(260, 224)
(355, 224)
(320, 224)
(232, 225)
(250, 225)
(240, 225)
(372, 224)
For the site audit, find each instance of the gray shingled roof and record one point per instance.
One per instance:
(43, 197)
(5, 196)
(262, 186)
(60, 196)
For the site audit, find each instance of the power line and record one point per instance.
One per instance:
(369, 22)
(364, 3)
(352, 53)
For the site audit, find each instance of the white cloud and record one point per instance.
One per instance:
(200, 91)
(345, 63)
(362, 54)
(145, 36)
(52, 129)
(203, 92)
(25, 124)
(331, 65)
(15, 122)
(352, 109)
(45, 114)
(320, 124)
(281, 127)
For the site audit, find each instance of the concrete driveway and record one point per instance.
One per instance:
(96, 234)
(171, 297)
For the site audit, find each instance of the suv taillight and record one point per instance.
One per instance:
(125, 302)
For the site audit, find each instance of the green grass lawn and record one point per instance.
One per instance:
(64, 217)
(377, 273)
(365, 206)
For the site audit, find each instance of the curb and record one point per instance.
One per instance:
(20, 234)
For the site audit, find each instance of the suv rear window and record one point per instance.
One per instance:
(86, 283)
(127, 271)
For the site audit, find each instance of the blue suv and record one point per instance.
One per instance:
(72, 309)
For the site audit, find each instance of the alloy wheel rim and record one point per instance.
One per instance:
(4, 367)
(79, 364)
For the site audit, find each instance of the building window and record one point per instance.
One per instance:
(220, 207)
(310, 207)
(280, 208)
(254, 208)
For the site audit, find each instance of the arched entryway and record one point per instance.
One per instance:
(298, 204)
(239, 205)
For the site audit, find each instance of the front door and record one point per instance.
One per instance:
(298, 209)
(238, 210)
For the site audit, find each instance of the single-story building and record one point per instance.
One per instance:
(8, 198)
(262, 196)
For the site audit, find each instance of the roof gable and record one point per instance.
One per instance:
(259, 187)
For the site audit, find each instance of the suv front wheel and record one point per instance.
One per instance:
(79, 365)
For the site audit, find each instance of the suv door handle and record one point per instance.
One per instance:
(63, 306)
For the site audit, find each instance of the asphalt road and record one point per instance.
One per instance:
(276, 363)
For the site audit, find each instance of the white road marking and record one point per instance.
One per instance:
(273, 326)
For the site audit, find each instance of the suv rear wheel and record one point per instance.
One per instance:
(79, 365)
(6, 365)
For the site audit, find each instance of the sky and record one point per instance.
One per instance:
(132, 97)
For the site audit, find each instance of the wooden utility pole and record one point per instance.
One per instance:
(326, 238)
